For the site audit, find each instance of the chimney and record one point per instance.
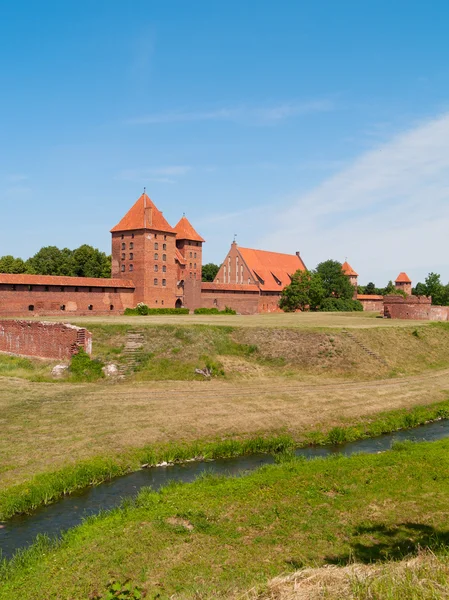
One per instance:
(148, 216)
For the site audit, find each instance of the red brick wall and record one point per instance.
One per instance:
(192, 252)
(372, 305)
(412, 307)
(35, 302)
(44, 340)
(439, 313)
(269, 303)
(245, 303)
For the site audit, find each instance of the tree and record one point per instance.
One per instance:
(47, 261)
(370, 288)
(90, 262)
(305, 290)
(335, 283)
(420, 289)
(209, 271)
(435, 288)
(9, 264)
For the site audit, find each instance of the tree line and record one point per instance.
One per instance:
(84, 261)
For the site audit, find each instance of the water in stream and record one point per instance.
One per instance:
(20, 531)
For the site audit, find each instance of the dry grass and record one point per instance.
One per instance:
(45, 426)
(425, 577)
(291, 320)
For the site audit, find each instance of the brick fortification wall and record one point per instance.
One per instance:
(43, 339)
(414, 307)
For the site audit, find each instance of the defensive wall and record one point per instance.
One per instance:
(43, 339)
(414, 307)
(371, 302)
(38, 295)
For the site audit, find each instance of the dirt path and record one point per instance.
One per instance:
(46, 425)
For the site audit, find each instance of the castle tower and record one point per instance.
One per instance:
(189, 245)
(144, 250)
(404, 283)
(351, 275)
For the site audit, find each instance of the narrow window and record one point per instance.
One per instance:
(164, 269)
(156, 256)
(123, 256)
(156, 246)
(162, 302)
(194, 255)
(122, 268)
(194, 274)
(131, 267)
(131, 256)
(156, 268)
(164, 257)
(155, 236)
(190, 265)
(164, 246)
(62, 306)
(30, 289)
(31, 307)
(155, 281)
(46, 288)
(111, 307)
(194, 266)
(131, 245)
(122, 236)
(190, 274)
(164, 282)
(190, 255)
(132, 235)
(13, 287)
(123, 246)
(90, 307)
(165, 237)
(76, 289)
(62, 289)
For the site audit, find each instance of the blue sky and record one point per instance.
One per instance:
(314, 126)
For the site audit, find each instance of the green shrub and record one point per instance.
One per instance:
(340, 305)
(125, 590)
(144, 310)
(214, 311)
(83, 368)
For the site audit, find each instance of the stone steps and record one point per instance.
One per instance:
(365, 348)
(133, 345)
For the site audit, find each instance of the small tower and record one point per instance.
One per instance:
(404, 283)
(189, 247)
(351, 275)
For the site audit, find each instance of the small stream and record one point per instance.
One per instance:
(20, 531)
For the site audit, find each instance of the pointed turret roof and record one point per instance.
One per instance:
(403, 278)
(185, 231)
(140, 217)
(348, 270)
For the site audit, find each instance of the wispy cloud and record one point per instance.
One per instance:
(387, 211)
(14, 178)
(165, 174)
(246, 114)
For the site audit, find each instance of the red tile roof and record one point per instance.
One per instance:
(348, 270)
(369, 297)
(144, 215)
(25, 279)
(179, 257)
(272, 269)
(403, 278)
(229, 287)
(185, 231)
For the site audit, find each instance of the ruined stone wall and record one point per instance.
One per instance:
(439, 313)
(43, 339)
(375, 304)
(413, 307)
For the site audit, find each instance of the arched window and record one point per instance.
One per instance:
(164, 246)
(90, 307)
(123, 256)
(164, 257)
(156, 256)
(131, 244)
(164, 282)
(123, 246)
(156, 246)
(122, 268)
(131, 256)
(156, 268)
(164, 269)
(131, 267)
(155, 281)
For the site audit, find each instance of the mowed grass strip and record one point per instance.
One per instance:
(220, 537)
(45, 488)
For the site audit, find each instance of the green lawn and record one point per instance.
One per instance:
(220, 537)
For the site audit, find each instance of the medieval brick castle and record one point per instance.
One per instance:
(161, 265)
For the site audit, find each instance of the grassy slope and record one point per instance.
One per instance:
(218, 537)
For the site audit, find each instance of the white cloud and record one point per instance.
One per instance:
(246, 114)
(386, 212)
(157, 174)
